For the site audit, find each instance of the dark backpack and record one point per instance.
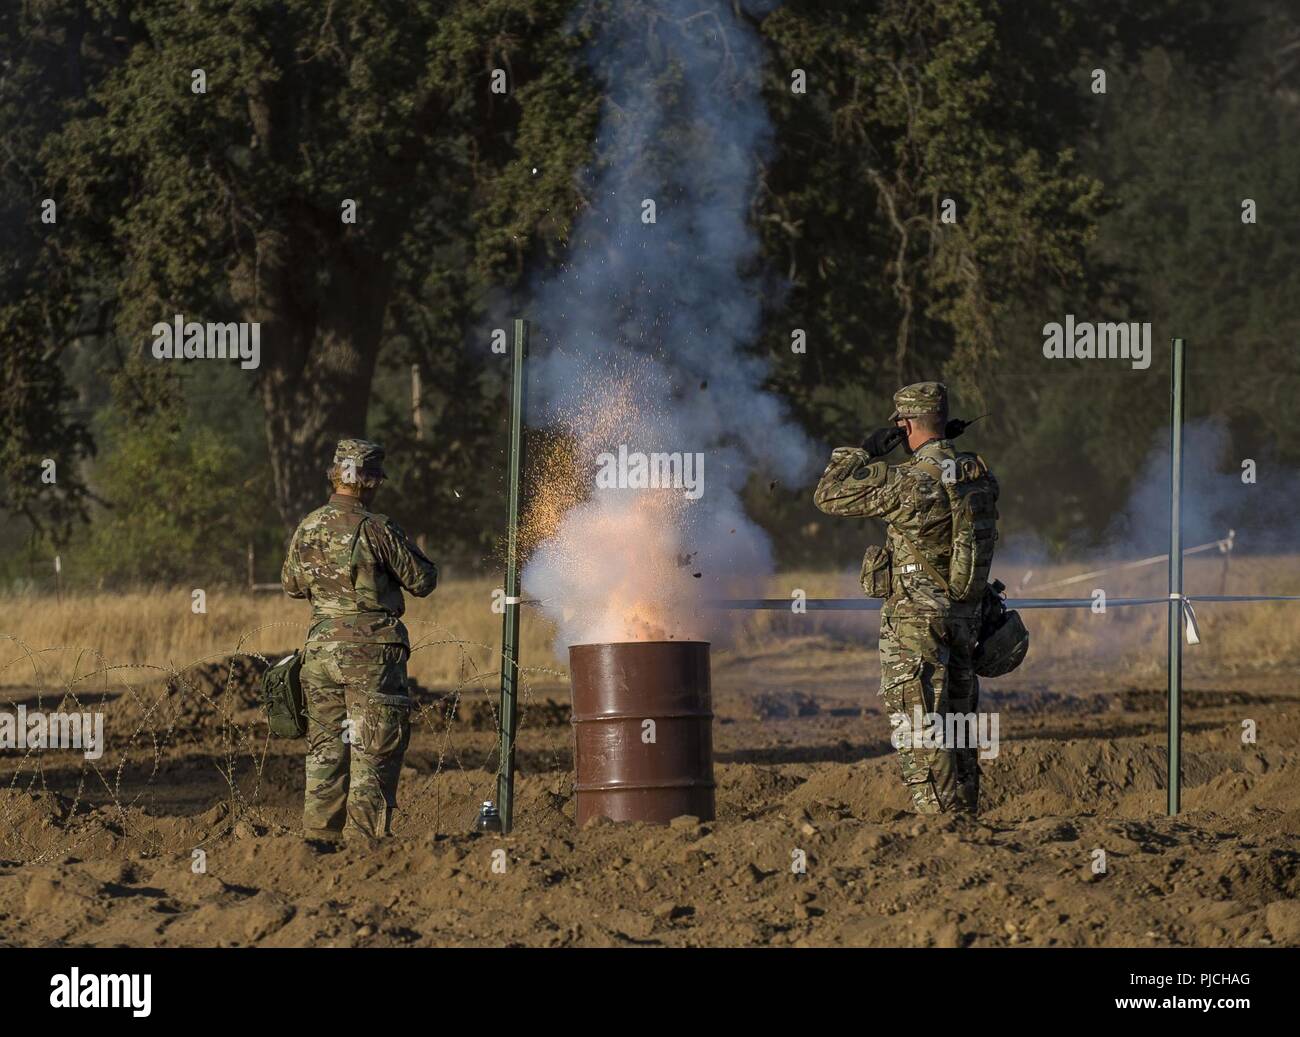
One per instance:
(972, 495)
(282, 698)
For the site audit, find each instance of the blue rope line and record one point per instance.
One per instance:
(875, 604)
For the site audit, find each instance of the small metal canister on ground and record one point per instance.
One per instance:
(643, 730)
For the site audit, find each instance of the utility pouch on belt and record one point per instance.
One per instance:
(282, 698)
(876, 564)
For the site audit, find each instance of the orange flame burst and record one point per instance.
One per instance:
(608, 566)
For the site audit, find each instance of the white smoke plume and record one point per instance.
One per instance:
(644, 333)
(1262, 511)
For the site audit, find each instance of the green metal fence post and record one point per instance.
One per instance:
(1175, 731)
(510, 621)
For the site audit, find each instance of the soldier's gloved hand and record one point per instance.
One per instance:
(883, 440)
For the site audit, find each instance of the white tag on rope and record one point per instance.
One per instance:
(1193, 632)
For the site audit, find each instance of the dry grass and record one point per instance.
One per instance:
(110, 639)
(454, 633)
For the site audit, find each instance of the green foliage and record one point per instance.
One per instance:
(182, 506)
(910, 104)
(225, 205)
(37, 431)
(1113, 205)
(1180, 156)
(39, 309)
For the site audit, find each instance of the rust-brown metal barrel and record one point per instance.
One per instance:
(628, 770)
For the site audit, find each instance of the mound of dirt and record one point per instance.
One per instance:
(481, 714)
(778, 705)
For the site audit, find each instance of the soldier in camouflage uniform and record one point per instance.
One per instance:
(926, 639)
(352, 565)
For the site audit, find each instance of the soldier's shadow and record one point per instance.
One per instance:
(179, 787)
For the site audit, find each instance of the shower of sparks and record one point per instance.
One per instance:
(613, 557)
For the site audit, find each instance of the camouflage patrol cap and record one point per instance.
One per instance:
(912, 401)
(362, 454)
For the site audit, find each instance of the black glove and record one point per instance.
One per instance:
(883, 440)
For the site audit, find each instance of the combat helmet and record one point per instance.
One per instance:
(1005, 648)
(1003, 639)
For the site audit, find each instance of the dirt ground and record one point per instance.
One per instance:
(106, 854)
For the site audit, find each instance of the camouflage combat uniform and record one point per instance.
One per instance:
(926, 640)
(352, 565)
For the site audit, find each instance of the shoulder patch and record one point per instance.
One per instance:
(876, 473)
(970, 467)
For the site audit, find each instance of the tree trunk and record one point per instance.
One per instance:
(309, 409)
(318, 351)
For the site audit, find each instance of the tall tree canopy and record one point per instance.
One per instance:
(209, 173)
(945, 183)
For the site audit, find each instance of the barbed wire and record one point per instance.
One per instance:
(193, 700)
